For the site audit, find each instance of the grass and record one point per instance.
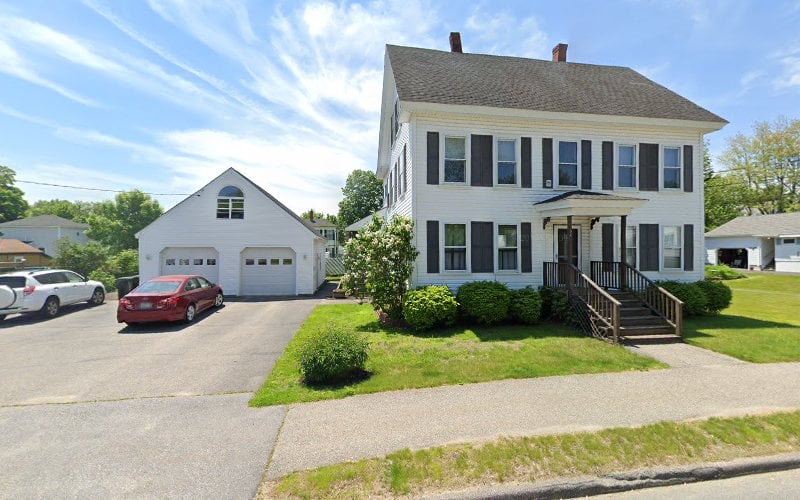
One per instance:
(399, 359)
(529, 459)
(761, 325)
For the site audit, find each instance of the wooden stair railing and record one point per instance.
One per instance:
(664, 304)
(598, 313)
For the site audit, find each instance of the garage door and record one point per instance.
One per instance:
(191, 260)
(268, 271)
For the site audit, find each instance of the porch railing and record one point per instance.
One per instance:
(660, 301)
(598, 313)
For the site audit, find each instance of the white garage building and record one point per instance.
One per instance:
(236, 234)
(757, 242)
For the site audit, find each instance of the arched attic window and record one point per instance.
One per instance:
(230, 203)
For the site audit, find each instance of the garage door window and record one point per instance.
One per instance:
(211, 262)
(170, 262)
(275, 262)
(262, 262)
(249, 262)
(183, 262)
(287, 262)
(230, 203)
(198, 262)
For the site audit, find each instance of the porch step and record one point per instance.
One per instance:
(640, 330)
(652, 339)
(648, 319)
(630, 311)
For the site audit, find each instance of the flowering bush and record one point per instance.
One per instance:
(378, 262)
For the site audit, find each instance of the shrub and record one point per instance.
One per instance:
(106, 278)
(718, 295)
(332, 354)
(430, 306)
(722, 272)
(693, 298)
(526, 305)
(486, 302)
(556, 306)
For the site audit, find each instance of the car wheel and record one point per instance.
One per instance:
(98, 296)
(188, 316)
(50, 307)
(218, 300)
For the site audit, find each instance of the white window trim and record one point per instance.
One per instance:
(635, 186)
(661, 177)
(635, 247)
(557, 162)
(496, 161)
(556, 227)
(467, 158)
(497, 248)
(442, 239)
(661, 266)
(230, 203)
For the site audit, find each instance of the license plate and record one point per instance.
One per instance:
(145, 305)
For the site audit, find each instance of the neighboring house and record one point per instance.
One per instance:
(327, 230)
(360, 224)
(238, 235)
(754, 242)
(506, 164)
(44, 231)
(15, 254)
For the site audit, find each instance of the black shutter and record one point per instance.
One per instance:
(433, 157)
(648, 167)
(688, 246)
(481, 160)
(547, 163)
(586, 165)
(608, 165)
(527, 169)
(433, 246)
(482, 248)
(525, 240)
(608, 242)
(648, 247)
(688, 168)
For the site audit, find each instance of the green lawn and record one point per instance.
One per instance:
(399, 359)
(539, 458)
(762, 325)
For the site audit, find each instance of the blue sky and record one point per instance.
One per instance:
(163, 95)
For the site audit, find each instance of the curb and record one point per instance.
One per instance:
(629, 480)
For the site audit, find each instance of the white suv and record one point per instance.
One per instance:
(45, 291)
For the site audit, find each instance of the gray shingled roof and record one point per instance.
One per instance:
(45, 221)
(586, 195)
(362, 223)
(759, 225)
(434, 76)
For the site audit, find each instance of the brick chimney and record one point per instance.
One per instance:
(560, 53)
(455, 42)
(311, 215)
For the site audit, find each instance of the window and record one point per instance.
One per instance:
(626, 170)
(507, 248)
(455, 159)
(74, 277)
(506, 162)
(287, 262)
(170, 262)
(203, 282)
(262, 262)
(274, 262)
(672, 247)
(249, 262)
(183, 262)
(568, 164)
(211, 262)
(788, 241)
(630, 245)
(455, 247)
(198, 262)
(672, 168)
(405, 170)
(192, 284)
(230, 203)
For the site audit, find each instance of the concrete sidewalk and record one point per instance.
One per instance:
(315, 434)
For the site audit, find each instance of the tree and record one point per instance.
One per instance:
(83, 259)
(12, 201)
(115, 223)
(363, 195)
(723, 194)
(319, 215)
(77, 211)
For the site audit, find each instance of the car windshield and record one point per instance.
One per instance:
(159, 287)
(13, 281)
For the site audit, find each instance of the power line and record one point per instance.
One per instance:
(96, 189)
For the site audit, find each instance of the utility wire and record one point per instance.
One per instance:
(96, 189)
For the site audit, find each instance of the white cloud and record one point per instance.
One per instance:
(791, 72)
(498, 33)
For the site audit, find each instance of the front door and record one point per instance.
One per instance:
(561, 251)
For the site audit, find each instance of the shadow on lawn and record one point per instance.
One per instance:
(493, 333)
(694, 327)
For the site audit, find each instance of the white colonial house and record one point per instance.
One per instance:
(44, 232)
(757, 242)
(509, 166)
(238, 235)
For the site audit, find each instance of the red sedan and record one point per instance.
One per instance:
(169, 298)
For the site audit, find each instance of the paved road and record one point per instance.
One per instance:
(158, 411)
(769, 486)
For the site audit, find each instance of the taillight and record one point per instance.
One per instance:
(28, 290)
(126, 303)
(167, 303)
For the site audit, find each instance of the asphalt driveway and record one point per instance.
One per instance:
(91, 408)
